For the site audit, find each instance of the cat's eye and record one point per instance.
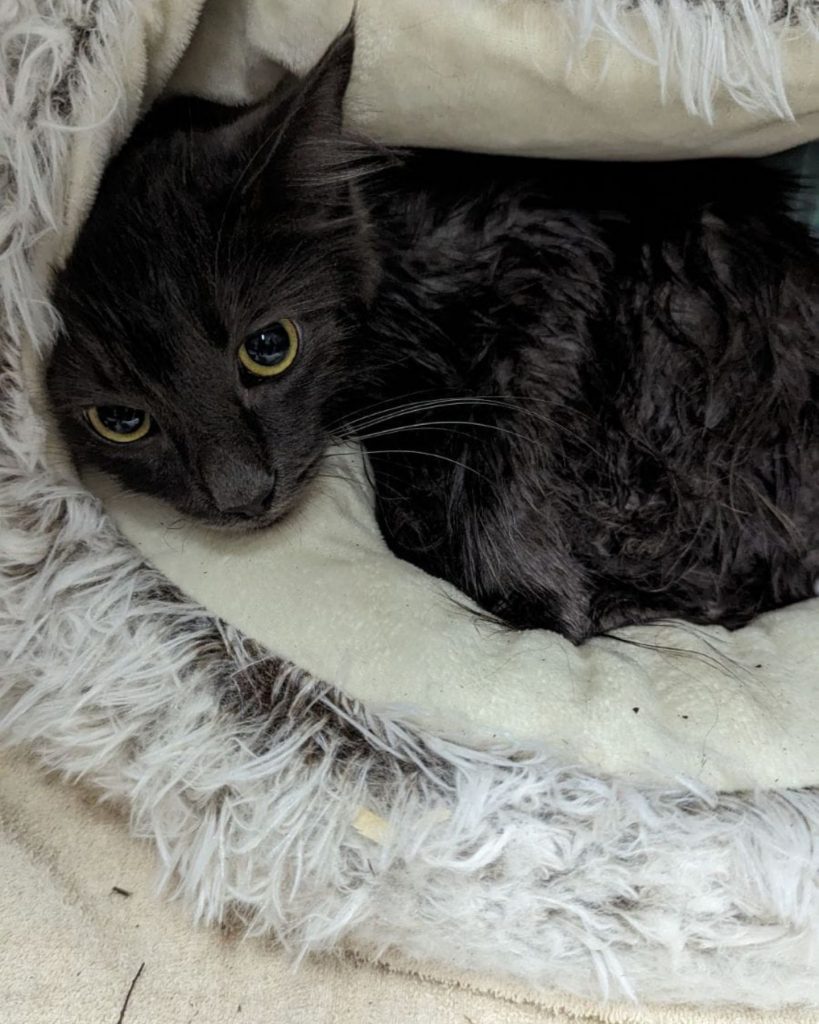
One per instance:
(118, 422)
(270, 351)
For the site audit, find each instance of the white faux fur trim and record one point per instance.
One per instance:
(702, 46)
(251, 777)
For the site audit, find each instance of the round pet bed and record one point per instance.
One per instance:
(321, 743)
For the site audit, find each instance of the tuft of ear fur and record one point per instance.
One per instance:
(316, 108)
(296, 133)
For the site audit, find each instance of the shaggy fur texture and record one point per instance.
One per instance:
(701, 47)
(250, 776)
(587, 391)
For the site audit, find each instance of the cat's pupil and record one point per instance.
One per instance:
(269, 346)
(120, 419)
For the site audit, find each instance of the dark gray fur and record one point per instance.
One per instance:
(588, 391)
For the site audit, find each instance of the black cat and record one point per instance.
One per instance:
(588, 392)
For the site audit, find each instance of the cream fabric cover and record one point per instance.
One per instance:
(535, 77)
(731, 710)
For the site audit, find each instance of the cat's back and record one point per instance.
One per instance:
(713, 235)
(662, 321)
(678, 193)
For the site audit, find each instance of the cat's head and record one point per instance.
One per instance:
(209, 303)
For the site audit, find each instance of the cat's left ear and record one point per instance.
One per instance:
(291, 136)
(316, 104)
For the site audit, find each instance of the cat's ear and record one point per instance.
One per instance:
(315, 106)
(294, 137)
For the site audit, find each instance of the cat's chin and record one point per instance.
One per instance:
(242, 524)
(252, 524)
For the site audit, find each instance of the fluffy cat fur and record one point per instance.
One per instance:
(588, 393)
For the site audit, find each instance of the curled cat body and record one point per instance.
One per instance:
(587, 392)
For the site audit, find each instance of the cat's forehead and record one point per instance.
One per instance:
(168, 232)
(140, 323)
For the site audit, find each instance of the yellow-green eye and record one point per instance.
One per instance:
(118, 422)
(270, 351)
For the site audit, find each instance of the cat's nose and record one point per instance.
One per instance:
(241, 490)
(257, 505)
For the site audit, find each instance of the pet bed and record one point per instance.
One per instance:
(321, 744)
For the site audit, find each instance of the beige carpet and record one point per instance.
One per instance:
(71, 945)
